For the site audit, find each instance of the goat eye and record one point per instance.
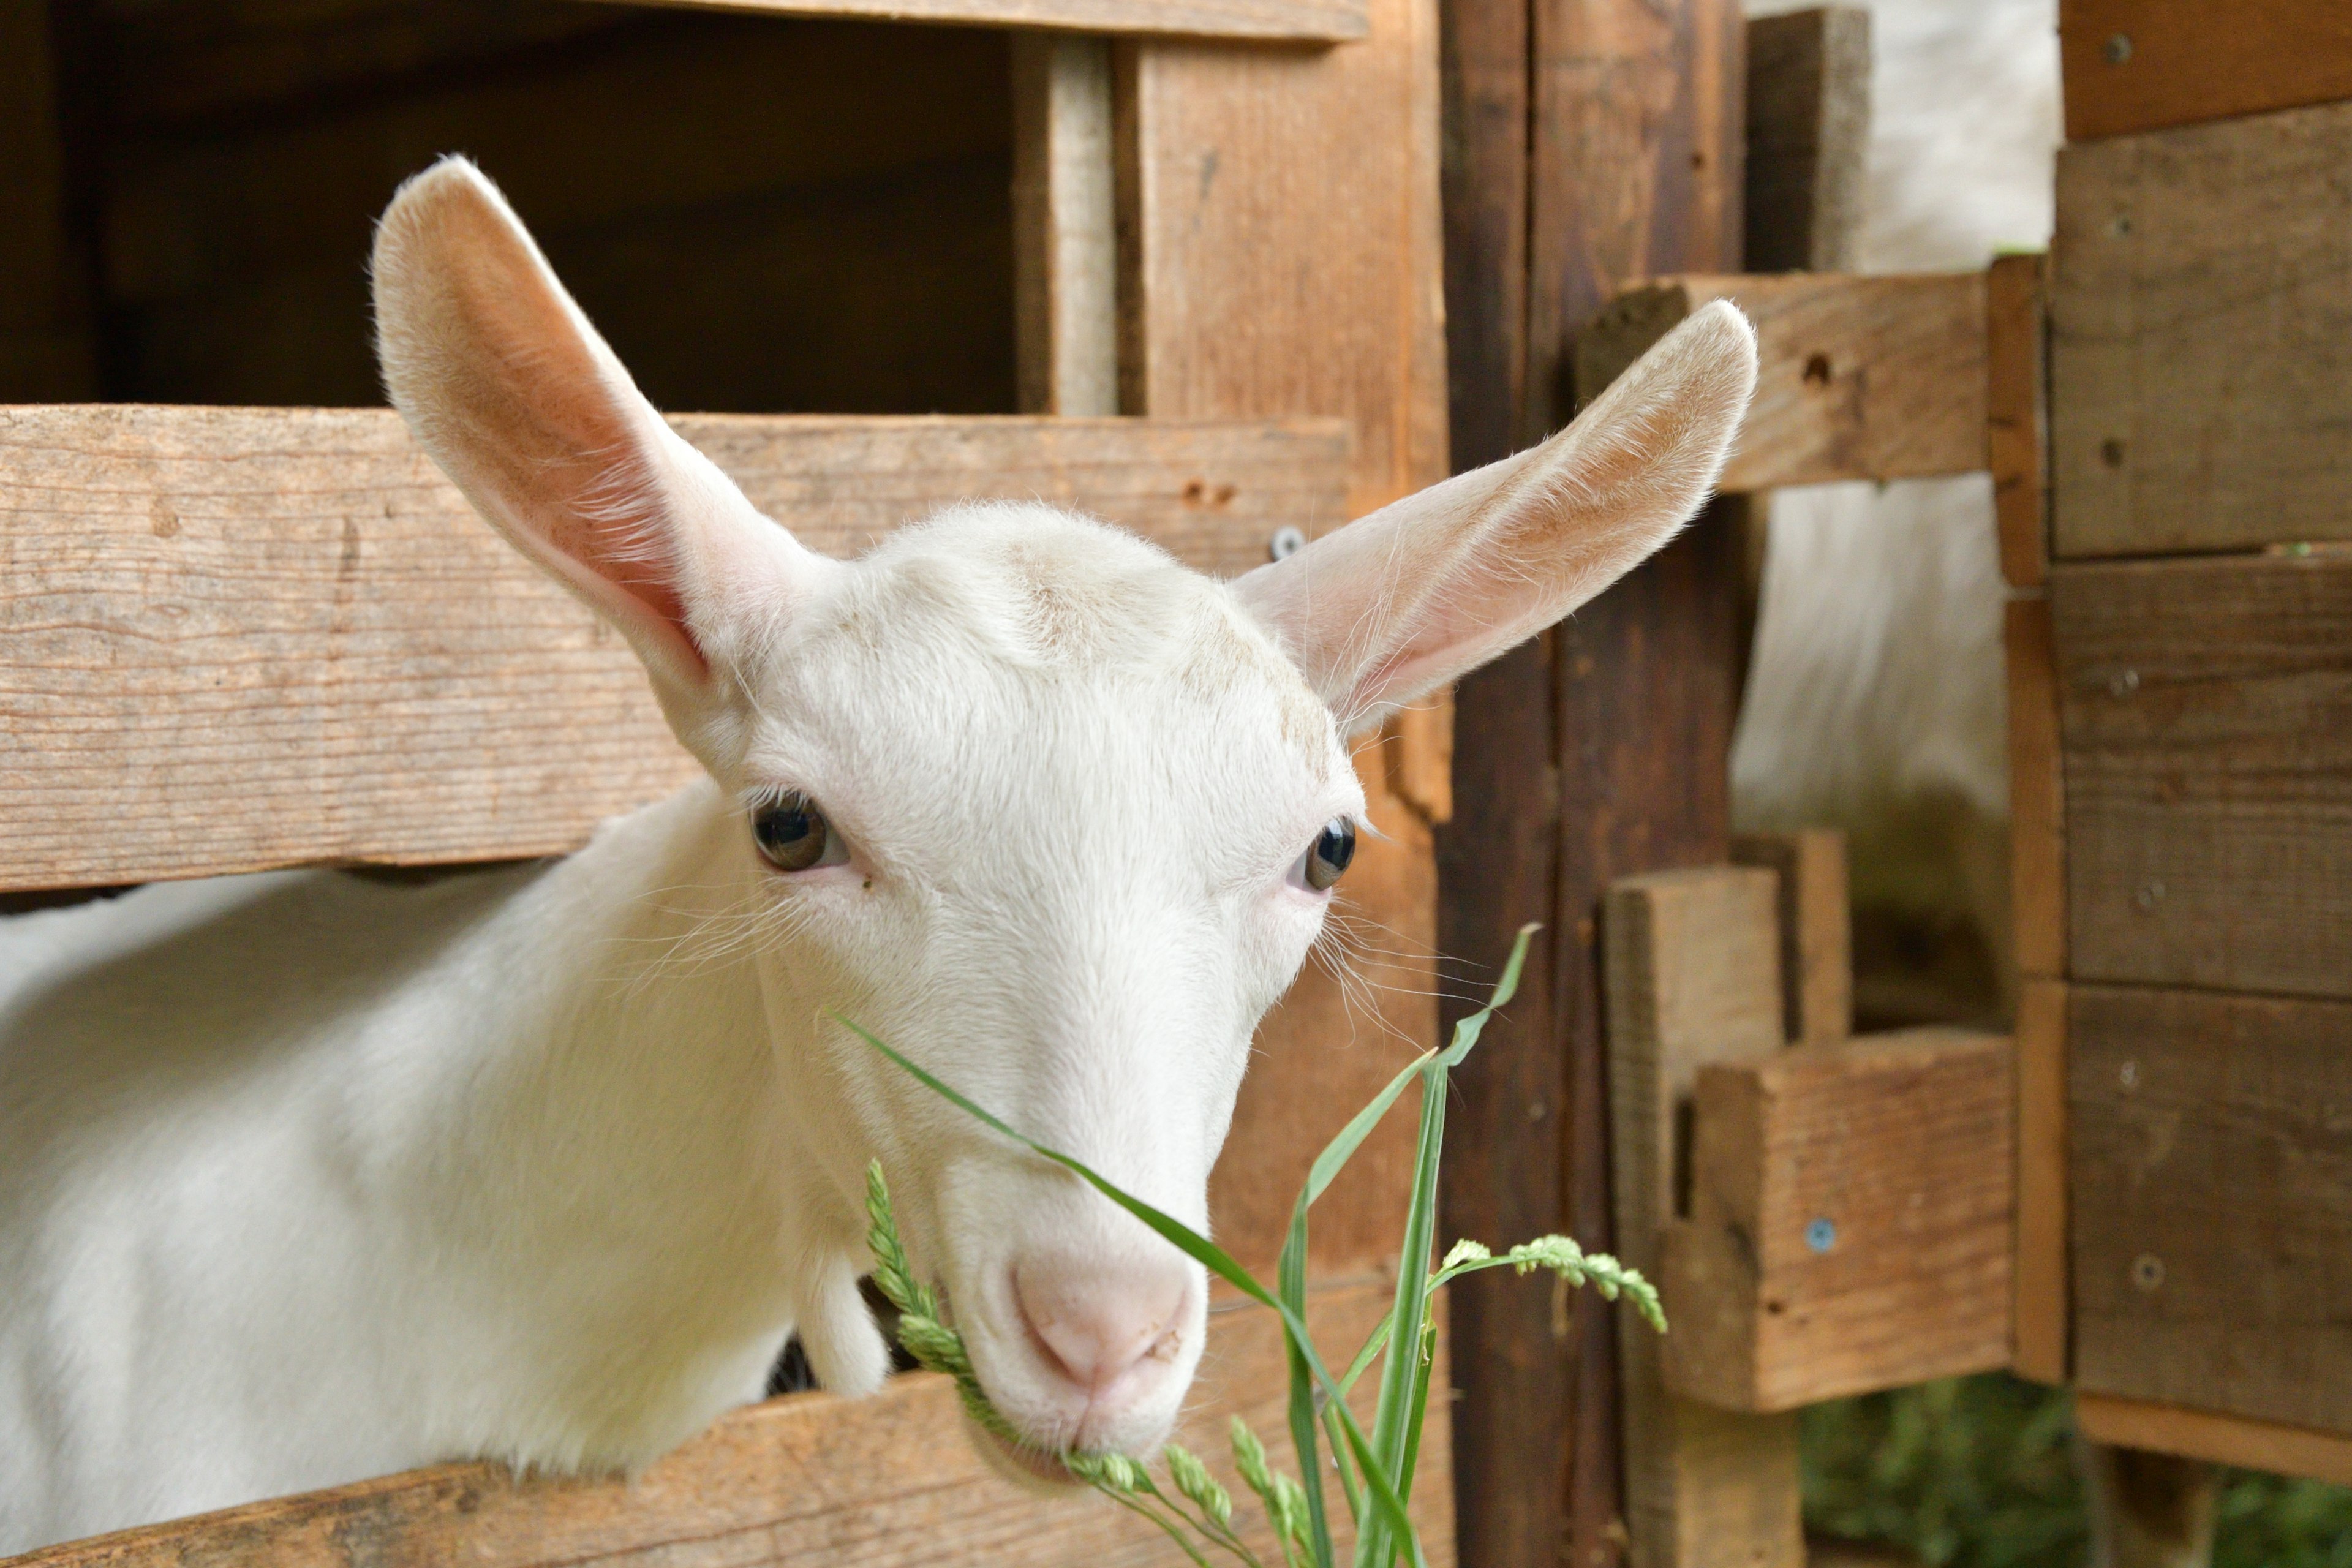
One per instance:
(791, 832)
(1329, 854)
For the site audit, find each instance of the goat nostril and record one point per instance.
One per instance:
(1095, 1331)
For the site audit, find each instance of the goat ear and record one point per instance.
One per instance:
(1397, 604)
(521, 404)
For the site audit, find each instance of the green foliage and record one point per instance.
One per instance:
(2272, 1522)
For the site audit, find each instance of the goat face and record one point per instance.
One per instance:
(1054, 815)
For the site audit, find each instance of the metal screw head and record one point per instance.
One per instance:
(2130, 1074)
(1288, 541)
(2124, 683)
(2117, 48)
(2147, 1271)
(2148, 895)
(1822, 1234)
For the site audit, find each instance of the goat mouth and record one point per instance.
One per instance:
(1020, 1462)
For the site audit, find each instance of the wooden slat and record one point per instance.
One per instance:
(1850, 1221)
(2037, 792)
(1321, 21)
(2017, 423)
(2211, 1150)
(1816, 928)
(1808, 138)
(2223, 1440)
(239, 638)
(807, 1478)
(2207, 732)
(2042, 1310)
(1862, 378)
(2201, 300)
(1694, 978)
(2142, 65)
(1065, 250)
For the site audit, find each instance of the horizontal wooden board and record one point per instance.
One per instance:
(2223, 1440)
(2212, 1153)
(2206, 711)
(1862, 378)
(1851, 1208)
(807, 1478)
(2201, 300)
(237, 638)
(2142, 65)
(1323, 21)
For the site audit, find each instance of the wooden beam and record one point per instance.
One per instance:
(2223, 1440)
(1849, 1225)
(1862, 378)
(1694, 979)
(1816, 928)
(1808, 139)
(1064, 248)
(2043, 1310)
(2037, 792)
(2202, 295)
(807, 1478)
(2207, 770)
(239, 638)
(2017, 418)
(2212, 1248)
(2144, 64)
(1310, 21)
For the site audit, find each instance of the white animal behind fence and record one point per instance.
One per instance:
(310, 1178)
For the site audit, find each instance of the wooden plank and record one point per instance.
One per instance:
(243, 638)
(2043, 1311)
(2211, 1148)
(1312, 21)
(2017, 422)
(1065, 250)
(807, 1478)
(1861, 378)
(2037, 792)
(2209, 770)
(2203, 294)
(1694, 978)
(1808, 138)
(45, 347)
(2142, 65)
(1816, 928)
(1849, 1224)
(2223, 1439)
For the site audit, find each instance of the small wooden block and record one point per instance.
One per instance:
(1816, 928)
(1808, 138)
(2042, 1311)
(2017, 433)
(2037, 794)
(1850, 1222)
(2223, 1440)
(2142, 65)
(1861, 378)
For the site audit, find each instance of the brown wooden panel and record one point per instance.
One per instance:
(807, 1478)
(2211, 1143)
(2037, 792)
(1862, 378)
(2207, 709)
(1816, 929)
(1848, 1223)
(1309, 20)
(247, 637)
(2040, 1344)
(1808, 138)
(2017, 422)
(2201, 300)
(2142, 65)
(2223, 1440)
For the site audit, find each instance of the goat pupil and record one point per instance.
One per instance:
(790, 833)
(1333, 849)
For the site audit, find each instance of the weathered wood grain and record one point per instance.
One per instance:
(2041, 1347)
(1862, 378)
(2207, 710)
(2142, 65)
(2211, 1150)
(1816, 928)
(2223, 1440)
(2017, 418)
(1808, 138)
(2203, 294)
(1065, 250)
(807, 1478)
(1694, 978)
(1848, 1224)
(239, 638)
(2037, 791)
(1314, 21)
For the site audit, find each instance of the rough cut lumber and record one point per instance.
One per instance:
(2037, 792)
(1065, 252)
(1816, 928)
(1862, 378)
(1850, 1220)
(2212, 1150)
(2142, 65)
(2207, 732)
(2040, 1348)
(2017, 423)
(1694, 978)
(1808, 138)
(239, 638)
(1324, 21)
(2223, 1440)
(2203, 296)
(807, 1478)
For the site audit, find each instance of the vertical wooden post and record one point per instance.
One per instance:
(46, 355)
(1066, 253)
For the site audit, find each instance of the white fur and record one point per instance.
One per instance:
(309, 1177)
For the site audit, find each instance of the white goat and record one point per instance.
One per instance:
(307, 1178)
